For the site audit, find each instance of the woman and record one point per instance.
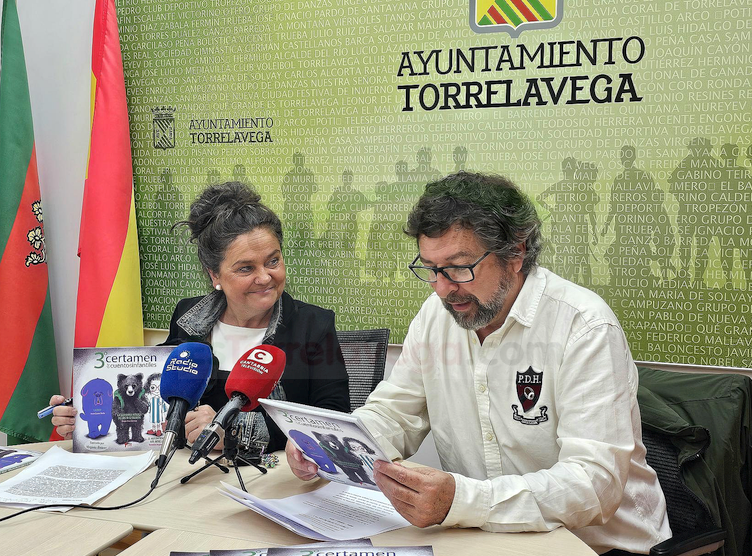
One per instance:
(239, 245)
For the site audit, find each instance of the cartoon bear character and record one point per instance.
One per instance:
(341, 456)
(157, 406)
(96, 402)
(129, 406)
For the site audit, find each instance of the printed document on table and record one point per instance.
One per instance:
(335, 512)
(60, 477)
(348, 550)
(321, 547)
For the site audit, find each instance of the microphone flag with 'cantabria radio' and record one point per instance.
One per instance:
(256, 374)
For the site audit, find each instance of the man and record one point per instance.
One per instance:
(525, 380)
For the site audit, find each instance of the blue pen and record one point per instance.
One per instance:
(42, 413)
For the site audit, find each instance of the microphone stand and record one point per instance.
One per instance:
(231, 453)
(181, 442)
(209, 463)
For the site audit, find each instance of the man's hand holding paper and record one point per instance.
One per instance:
(301, 467)
(422, 495)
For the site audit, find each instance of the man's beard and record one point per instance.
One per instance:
(484, 313)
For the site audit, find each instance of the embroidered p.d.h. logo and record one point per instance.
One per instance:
(529, 386)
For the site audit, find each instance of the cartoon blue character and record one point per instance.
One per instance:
(96, 401)
(313, 450)
(5, 461)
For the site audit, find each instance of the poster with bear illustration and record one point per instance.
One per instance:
(116, 394)
(337, 442)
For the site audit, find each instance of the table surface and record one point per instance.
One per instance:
(163, 541)
(197, 507)
(56, 534)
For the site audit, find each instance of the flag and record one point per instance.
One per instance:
(28, 374)
(108, 308)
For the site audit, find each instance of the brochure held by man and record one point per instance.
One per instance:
(337, 442)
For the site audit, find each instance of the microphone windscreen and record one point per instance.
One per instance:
(256, 373)
(186, 372)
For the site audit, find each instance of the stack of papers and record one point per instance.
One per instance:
(335, 512)
(59, 477)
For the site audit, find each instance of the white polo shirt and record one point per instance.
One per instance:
(539, 425)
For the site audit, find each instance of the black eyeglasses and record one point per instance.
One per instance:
(457, 274)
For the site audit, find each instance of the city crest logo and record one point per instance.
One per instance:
(163, 127)
(514, 16)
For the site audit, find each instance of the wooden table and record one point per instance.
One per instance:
(55, 534)
(164, 541)
(197, 507)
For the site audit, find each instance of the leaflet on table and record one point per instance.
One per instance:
(60, 477)
(349, 550)
(335, 512)
(337, 442)
(306, 548)
(12, 458)
(116, 393)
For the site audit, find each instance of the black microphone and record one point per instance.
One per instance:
(254, 376)
(184, 378)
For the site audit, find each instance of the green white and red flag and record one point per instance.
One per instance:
(28, 373)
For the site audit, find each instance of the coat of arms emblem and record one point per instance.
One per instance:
(163, 127)
(514, 16)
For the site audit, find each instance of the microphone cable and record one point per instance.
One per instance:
(82, 506)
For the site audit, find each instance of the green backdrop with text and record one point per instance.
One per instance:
(628, 123)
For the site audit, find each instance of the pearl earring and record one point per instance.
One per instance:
(218, 287)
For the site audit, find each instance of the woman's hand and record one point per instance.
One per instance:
(301, 467)
(63, 417)
(196, 420)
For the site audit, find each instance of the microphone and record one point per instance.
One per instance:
(253, 376)
(184, 378)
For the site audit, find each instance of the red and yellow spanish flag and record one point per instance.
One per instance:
(28, 373)
(108, 309)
